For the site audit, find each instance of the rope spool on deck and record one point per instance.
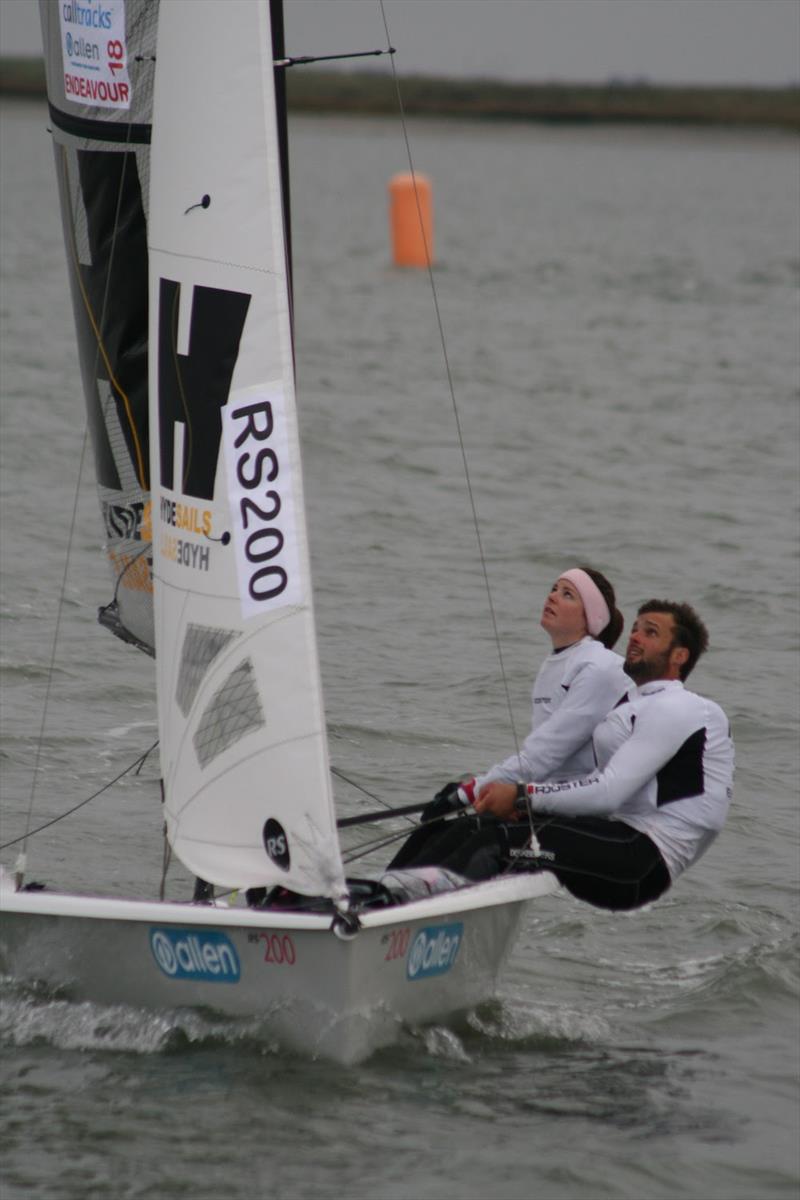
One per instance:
(411, 220)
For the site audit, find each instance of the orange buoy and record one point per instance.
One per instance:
(411, 220)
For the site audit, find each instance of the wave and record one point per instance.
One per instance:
(32, 1016)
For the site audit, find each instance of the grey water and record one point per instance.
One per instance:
(620, 316)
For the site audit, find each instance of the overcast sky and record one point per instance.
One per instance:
(669, 41)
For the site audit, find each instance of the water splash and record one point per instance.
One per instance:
(30, 1016)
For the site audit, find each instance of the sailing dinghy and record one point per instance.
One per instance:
(178, 133)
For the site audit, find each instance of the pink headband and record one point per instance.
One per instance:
(595, 607)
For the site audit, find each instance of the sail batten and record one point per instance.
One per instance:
(90, 130)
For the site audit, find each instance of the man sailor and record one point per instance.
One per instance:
(619, 837)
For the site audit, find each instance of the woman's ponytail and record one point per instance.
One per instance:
(610, 634)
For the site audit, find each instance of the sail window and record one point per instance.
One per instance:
(235, 710)
(201, 645)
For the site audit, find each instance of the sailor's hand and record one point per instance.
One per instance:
(497, 800)
(453, 797)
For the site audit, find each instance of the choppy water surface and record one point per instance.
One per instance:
(620, 310)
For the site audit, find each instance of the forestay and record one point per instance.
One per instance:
(243, 743)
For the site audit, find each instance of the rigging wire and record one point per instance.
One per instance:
(22, 858)
(341, 775)
(451, 388)
(135, 765)
(345, 779)
(379, 843)
(457, 416)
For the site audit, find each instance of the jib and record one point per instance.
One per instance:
(255, 469)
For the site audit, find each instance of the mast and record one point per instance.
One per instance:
(278, 56)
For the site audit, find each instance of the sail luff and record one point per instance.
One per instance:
(248, 795)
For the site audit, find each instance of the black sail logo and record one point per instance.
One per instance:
(193, 388)
(276, 843)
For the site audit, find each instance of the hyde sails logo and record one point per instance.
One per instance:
(206, 955)
(434, 950)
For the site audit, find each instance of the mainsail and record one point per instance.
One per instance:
(248, 796)
(100, 65)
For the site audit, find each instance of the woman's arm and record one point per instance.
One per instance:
(590, 697)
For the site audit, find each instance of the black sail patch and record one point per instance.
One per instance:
(683, 775)
(276, 843)
(193, 387)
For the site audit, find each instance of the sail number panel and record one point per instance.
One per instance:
(198, 348)
(261, 497)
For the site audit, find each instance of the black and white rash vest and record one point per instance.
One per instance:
(666, 760)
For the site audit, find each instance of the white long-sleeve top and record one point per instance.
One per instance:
(572, 692)
(666, 760)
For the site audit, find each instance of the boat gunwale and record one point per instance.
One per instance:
(490, 893)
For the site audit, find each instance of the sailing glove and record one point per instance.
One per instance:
(452, 798)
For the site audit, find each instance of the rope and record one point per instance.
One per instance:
(451, 388)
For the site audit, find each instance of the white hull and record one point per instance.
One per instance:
(311, 991)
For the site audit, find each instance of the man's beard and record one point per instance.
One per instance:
(645, 671)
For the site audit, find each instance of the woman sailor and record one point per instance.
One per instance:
(577, 685)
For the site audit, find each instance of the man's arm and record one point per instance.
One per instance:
(658, 734)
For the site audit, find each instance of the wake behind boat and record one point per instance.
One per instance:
(193, 417)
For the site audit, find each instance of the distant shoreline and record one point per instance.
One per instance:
(312, 90)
